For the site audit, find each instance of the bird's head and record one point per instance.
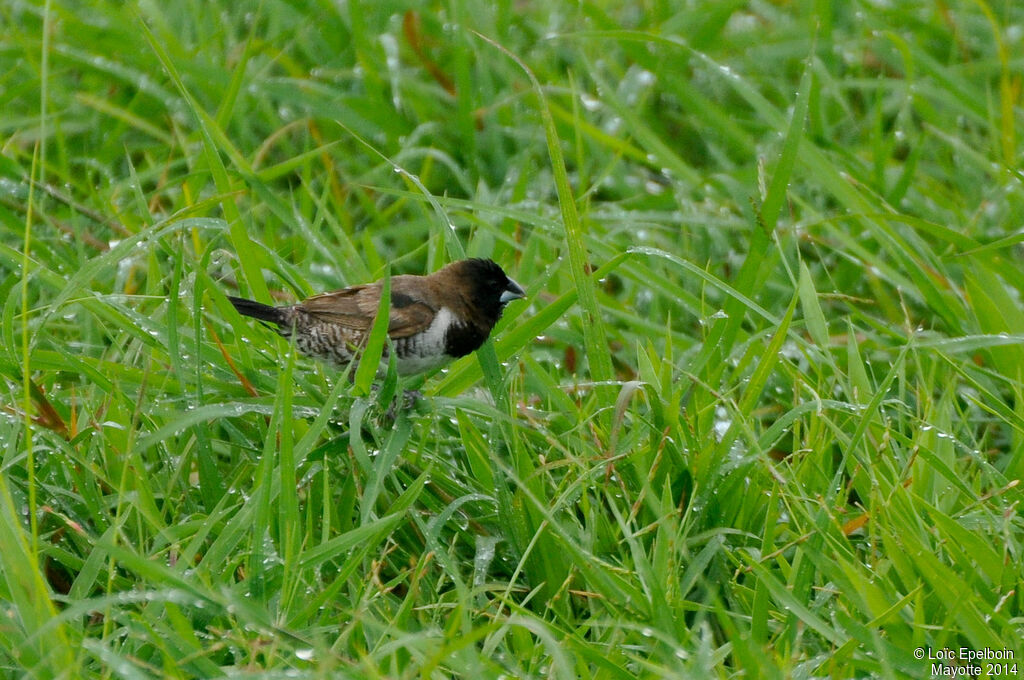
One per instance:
(485, 286)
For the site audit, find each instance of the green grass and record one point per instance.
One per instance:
(761, 414)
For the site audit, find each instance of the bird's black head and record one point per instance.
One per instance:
(489, 288)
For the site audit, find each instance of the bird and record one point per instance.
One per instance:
(433, 319)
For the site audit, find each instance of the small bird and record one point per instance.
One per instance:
(433, 319)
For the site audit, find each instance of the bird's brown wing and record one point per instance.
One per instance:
(356, 308)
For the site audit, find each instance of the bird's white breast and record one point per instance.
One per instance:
(424, 351)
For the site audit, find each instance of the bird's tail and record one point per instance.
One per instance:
(258, 310)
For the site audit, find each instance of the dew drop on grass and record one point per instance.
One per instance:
(390, 46)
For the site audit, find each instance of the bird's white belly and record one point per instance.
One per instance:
(424, 351)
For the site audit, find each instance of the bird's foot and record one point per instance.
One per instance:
(406, 400)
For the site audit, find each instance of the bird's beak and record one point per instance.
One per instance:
(513, 291)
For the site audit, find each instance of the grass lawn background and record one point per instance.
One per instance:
(761, 414)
